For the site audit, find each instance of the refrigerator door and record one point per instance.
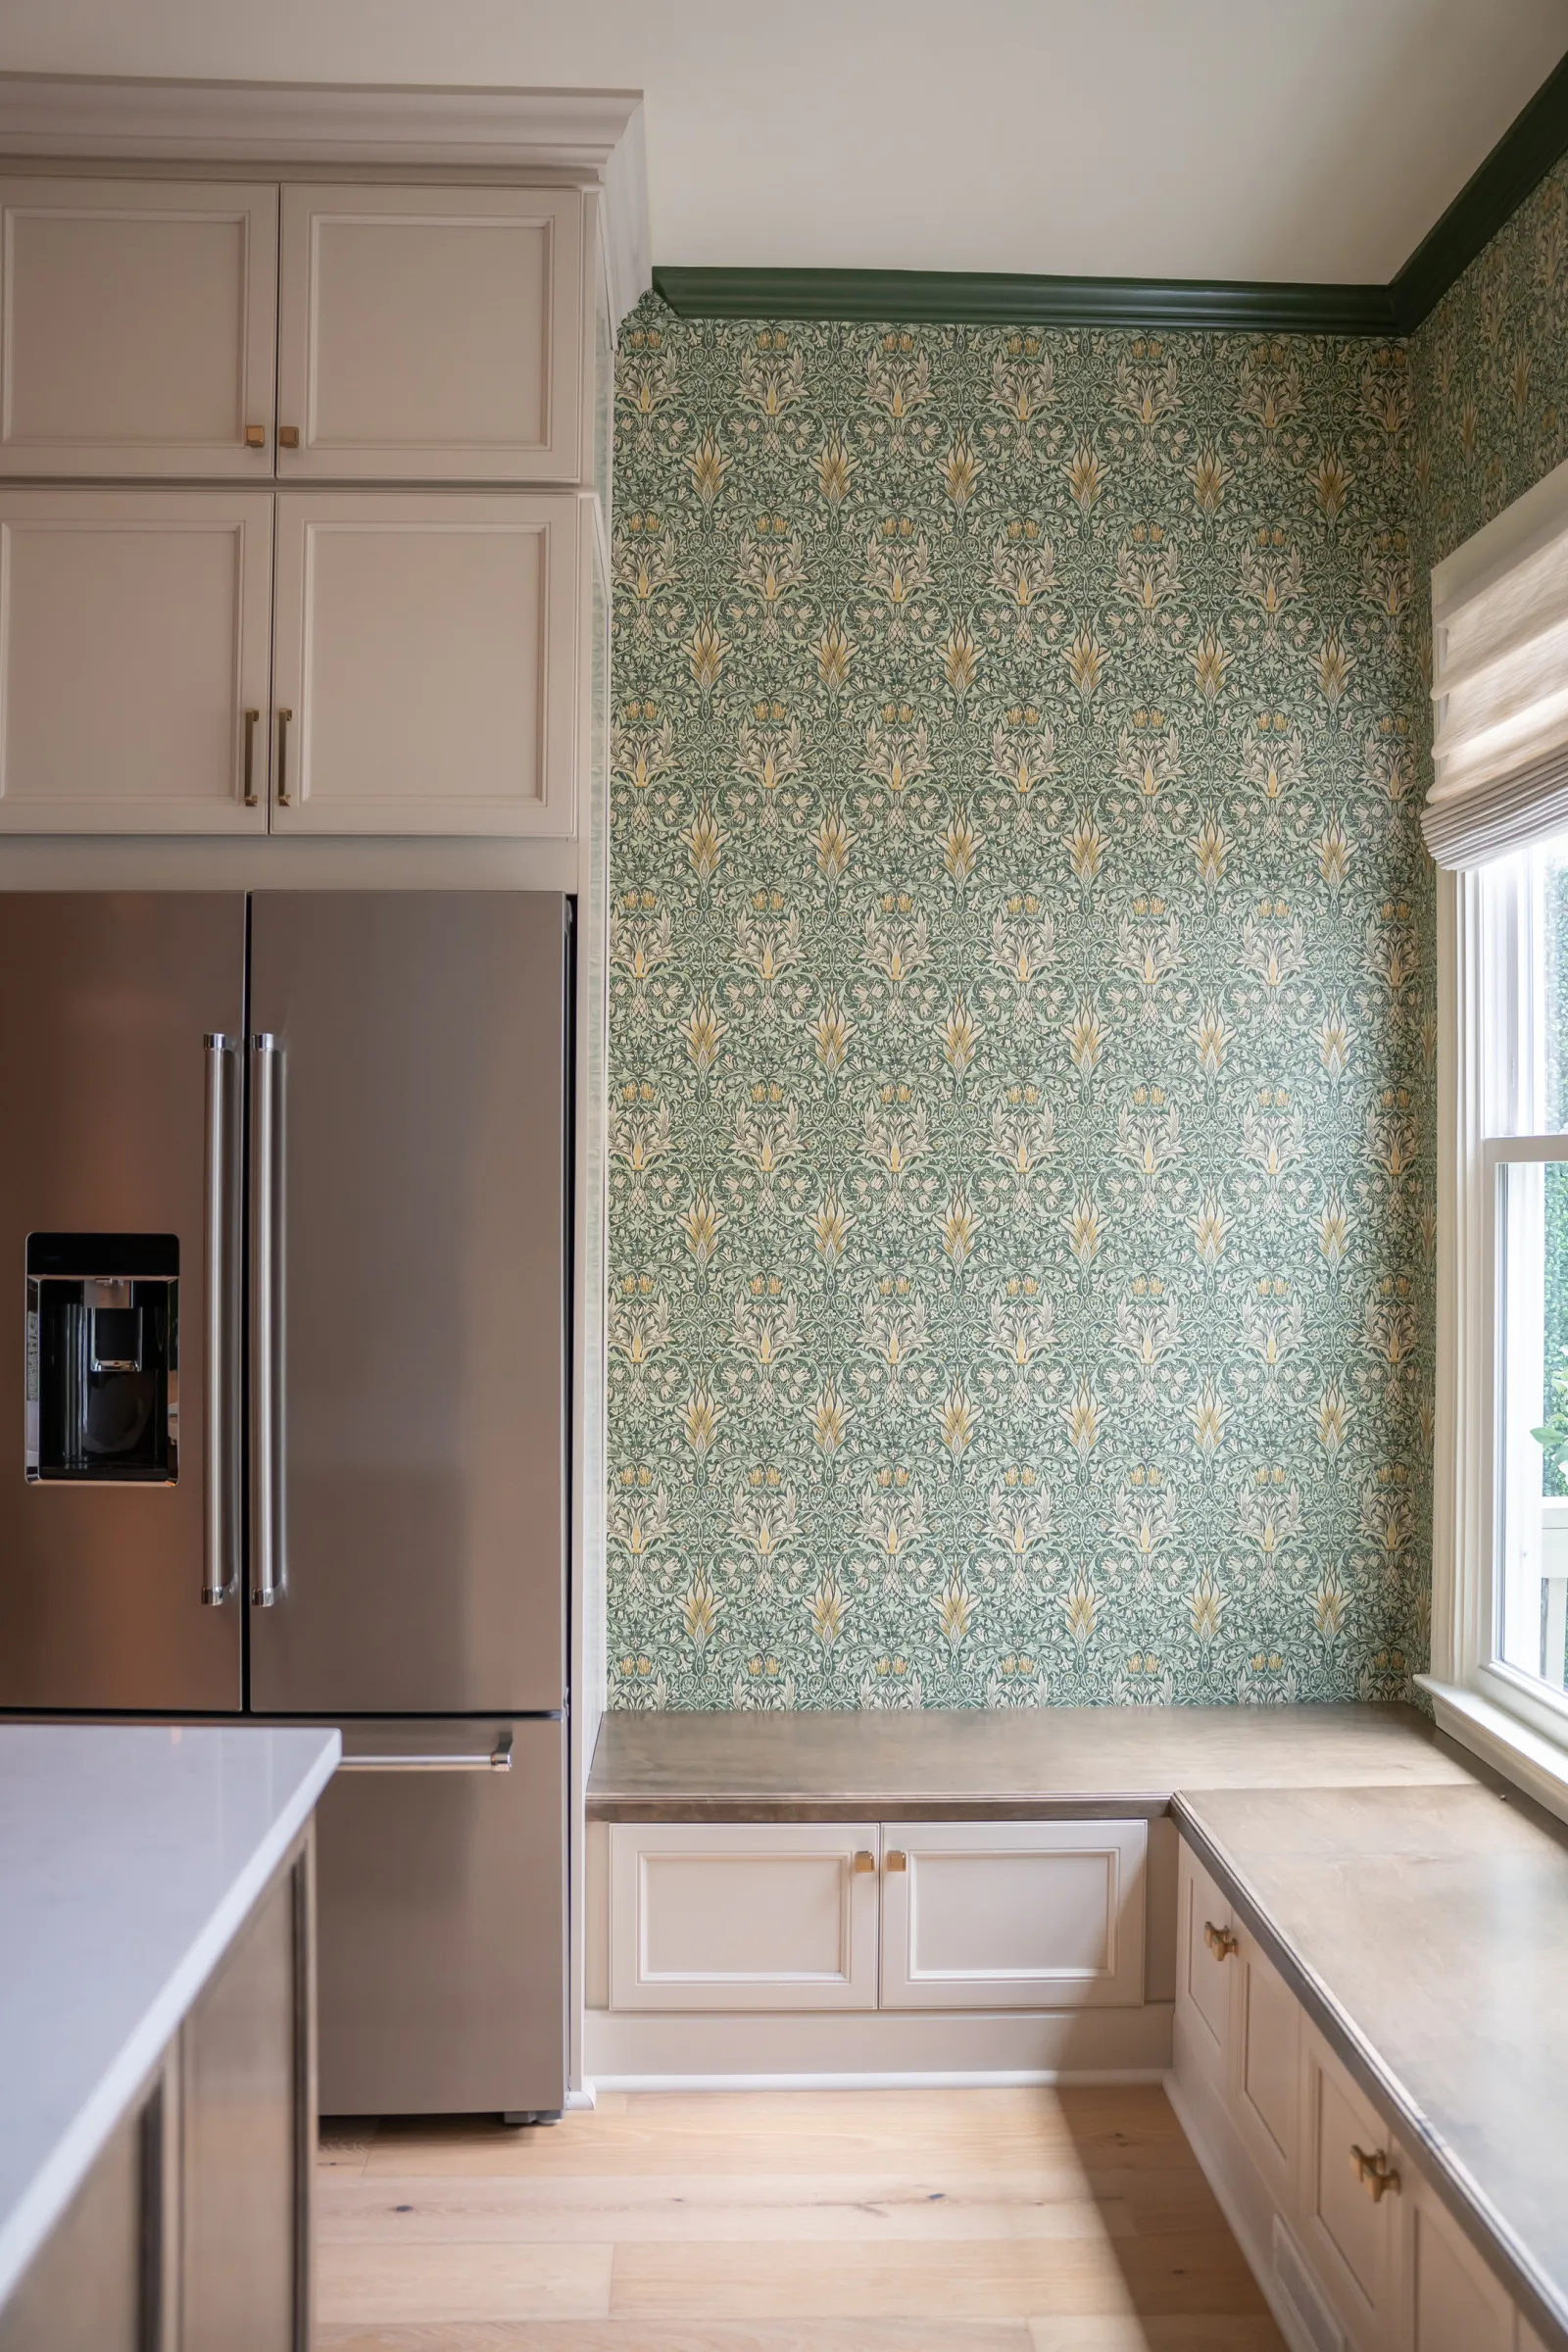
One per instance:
(441, 1920)
(408, 1367)
(115, 1166)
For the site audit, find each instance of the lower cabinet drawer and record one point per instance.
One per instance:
(1205, 1945)
(1454, 2302)
(1265, 2068)
(1350, 2211)
(759, 1915)
(1012, 1914)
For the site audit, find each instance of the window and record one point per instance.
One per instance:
(1497, 820)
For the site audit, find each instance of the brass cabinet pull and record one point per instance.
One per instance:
(256, 436)
(288, 436)
(1220, 1941)
(897, 1860)
(284, 719)
(1375, 2174)
(251, 717)
(863, 1862)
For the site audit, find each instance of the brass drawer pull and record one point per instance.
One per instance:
(1220, 1941)
(863, 1862)
(284, 719)
(250, 719)
(897, 1860)
(1375, 2174)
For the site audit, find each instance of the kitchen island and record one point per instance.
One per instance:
(156, 2033)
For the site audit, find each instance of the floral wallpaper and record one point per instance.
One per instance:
(1021, 1019)
(1492, 370)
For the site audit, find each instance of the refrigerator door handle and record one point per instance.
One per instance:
(499, 1759)
(219, 1462)
(267, 1565)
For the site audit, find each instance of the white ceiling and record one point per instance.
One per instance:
(1171, 138)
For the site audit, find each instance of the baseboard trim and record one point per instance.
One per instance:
(974, 2079)
(626, 2048)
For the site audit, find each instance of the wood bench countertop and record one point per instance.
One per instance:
(982, 1764)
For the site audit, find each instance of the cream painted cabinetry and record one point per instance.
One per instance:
(136, 636)
(1349, 2241)
(432, 334)
(898, 1915)
(1012, 1914)
(137, 327)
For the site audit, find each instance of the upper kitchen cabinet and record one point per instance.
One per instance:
(135, 648)
(433, 335)
(137, 327)
(426, 672)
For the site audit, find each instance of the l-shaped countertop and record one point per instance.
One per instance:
(1417, 1907)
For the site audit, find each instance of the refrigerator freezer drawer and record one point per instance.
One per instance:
(441, 1919)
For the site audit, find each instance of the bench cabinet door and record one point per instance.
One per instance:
(1205, 1969)
(1454, 2302)
(750, 1915)
(1350, 2205)
(1265, 2077)
(1012, 1914)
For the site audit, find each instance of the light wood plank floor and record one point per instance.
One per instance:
(870, 2220)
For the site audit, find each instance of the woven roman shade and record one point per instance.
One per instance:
(1500, 684)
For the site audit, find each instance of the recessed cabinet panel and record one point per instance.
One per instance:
(137, 325)
(432, 334)
(426, 660)
(1204, 1964)
(1350, 2229)
(1012, 1915)
(760, 1916)
(133, 638)
(1456, 2304)
(1267, 2068)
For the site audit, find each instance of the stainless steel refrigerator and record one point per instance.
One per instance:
(285, 1201)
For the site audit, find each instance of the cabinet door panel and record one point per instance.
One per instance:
(432, 334)
(134, 634)
(1456, 2304)
(137, 326)
(1204, 1974)
(1267, 2068)
(1012, 1915)
(427, 650)
(93, 2285)
(1348, 2234)
(755, 1915)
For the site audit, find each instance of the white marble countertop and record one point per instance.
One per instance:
(130, 1857)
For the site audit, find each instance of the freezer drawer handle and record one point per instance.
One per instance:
(217, 1576)
(499, 1759)
(267, 1574)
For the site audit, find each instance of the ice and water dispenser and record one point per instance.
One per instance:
(103, 1357)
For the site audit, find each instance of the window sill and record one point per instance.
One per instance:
(1533, 1762)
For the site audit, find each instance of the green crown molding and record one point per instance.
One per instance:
(1536, 140)
(984, 298)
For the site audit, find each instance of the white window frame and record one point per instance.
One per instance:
(1486, 1045)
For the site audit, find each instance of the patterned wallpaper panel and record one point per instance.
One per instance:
(1022, 1027)
(1492, 370)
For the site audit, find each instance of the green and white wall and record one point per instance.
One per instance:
(1022, 1012)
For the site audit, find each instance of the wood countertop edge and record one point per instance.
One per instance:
(1542, 2300)
(867, 1804)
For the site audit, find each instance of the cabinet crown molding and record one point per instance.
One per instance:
(594, 136)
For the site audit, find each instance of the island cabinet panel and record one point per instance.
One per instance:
(432, 334)
(1349, 2226)
(136, 636)
(1453, 2302)
(97, 2286)
(1265, 2067)
(752, 1916)
(244, 2187)
(1012, 1915)
(137, 327)
(1205, 1945)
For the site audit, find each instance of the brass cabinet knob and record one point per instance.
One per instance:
(1375, 2172)
(256, 436)
(863, 1862)
(288, 436)
(1220, 1941)
(897, 1860)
